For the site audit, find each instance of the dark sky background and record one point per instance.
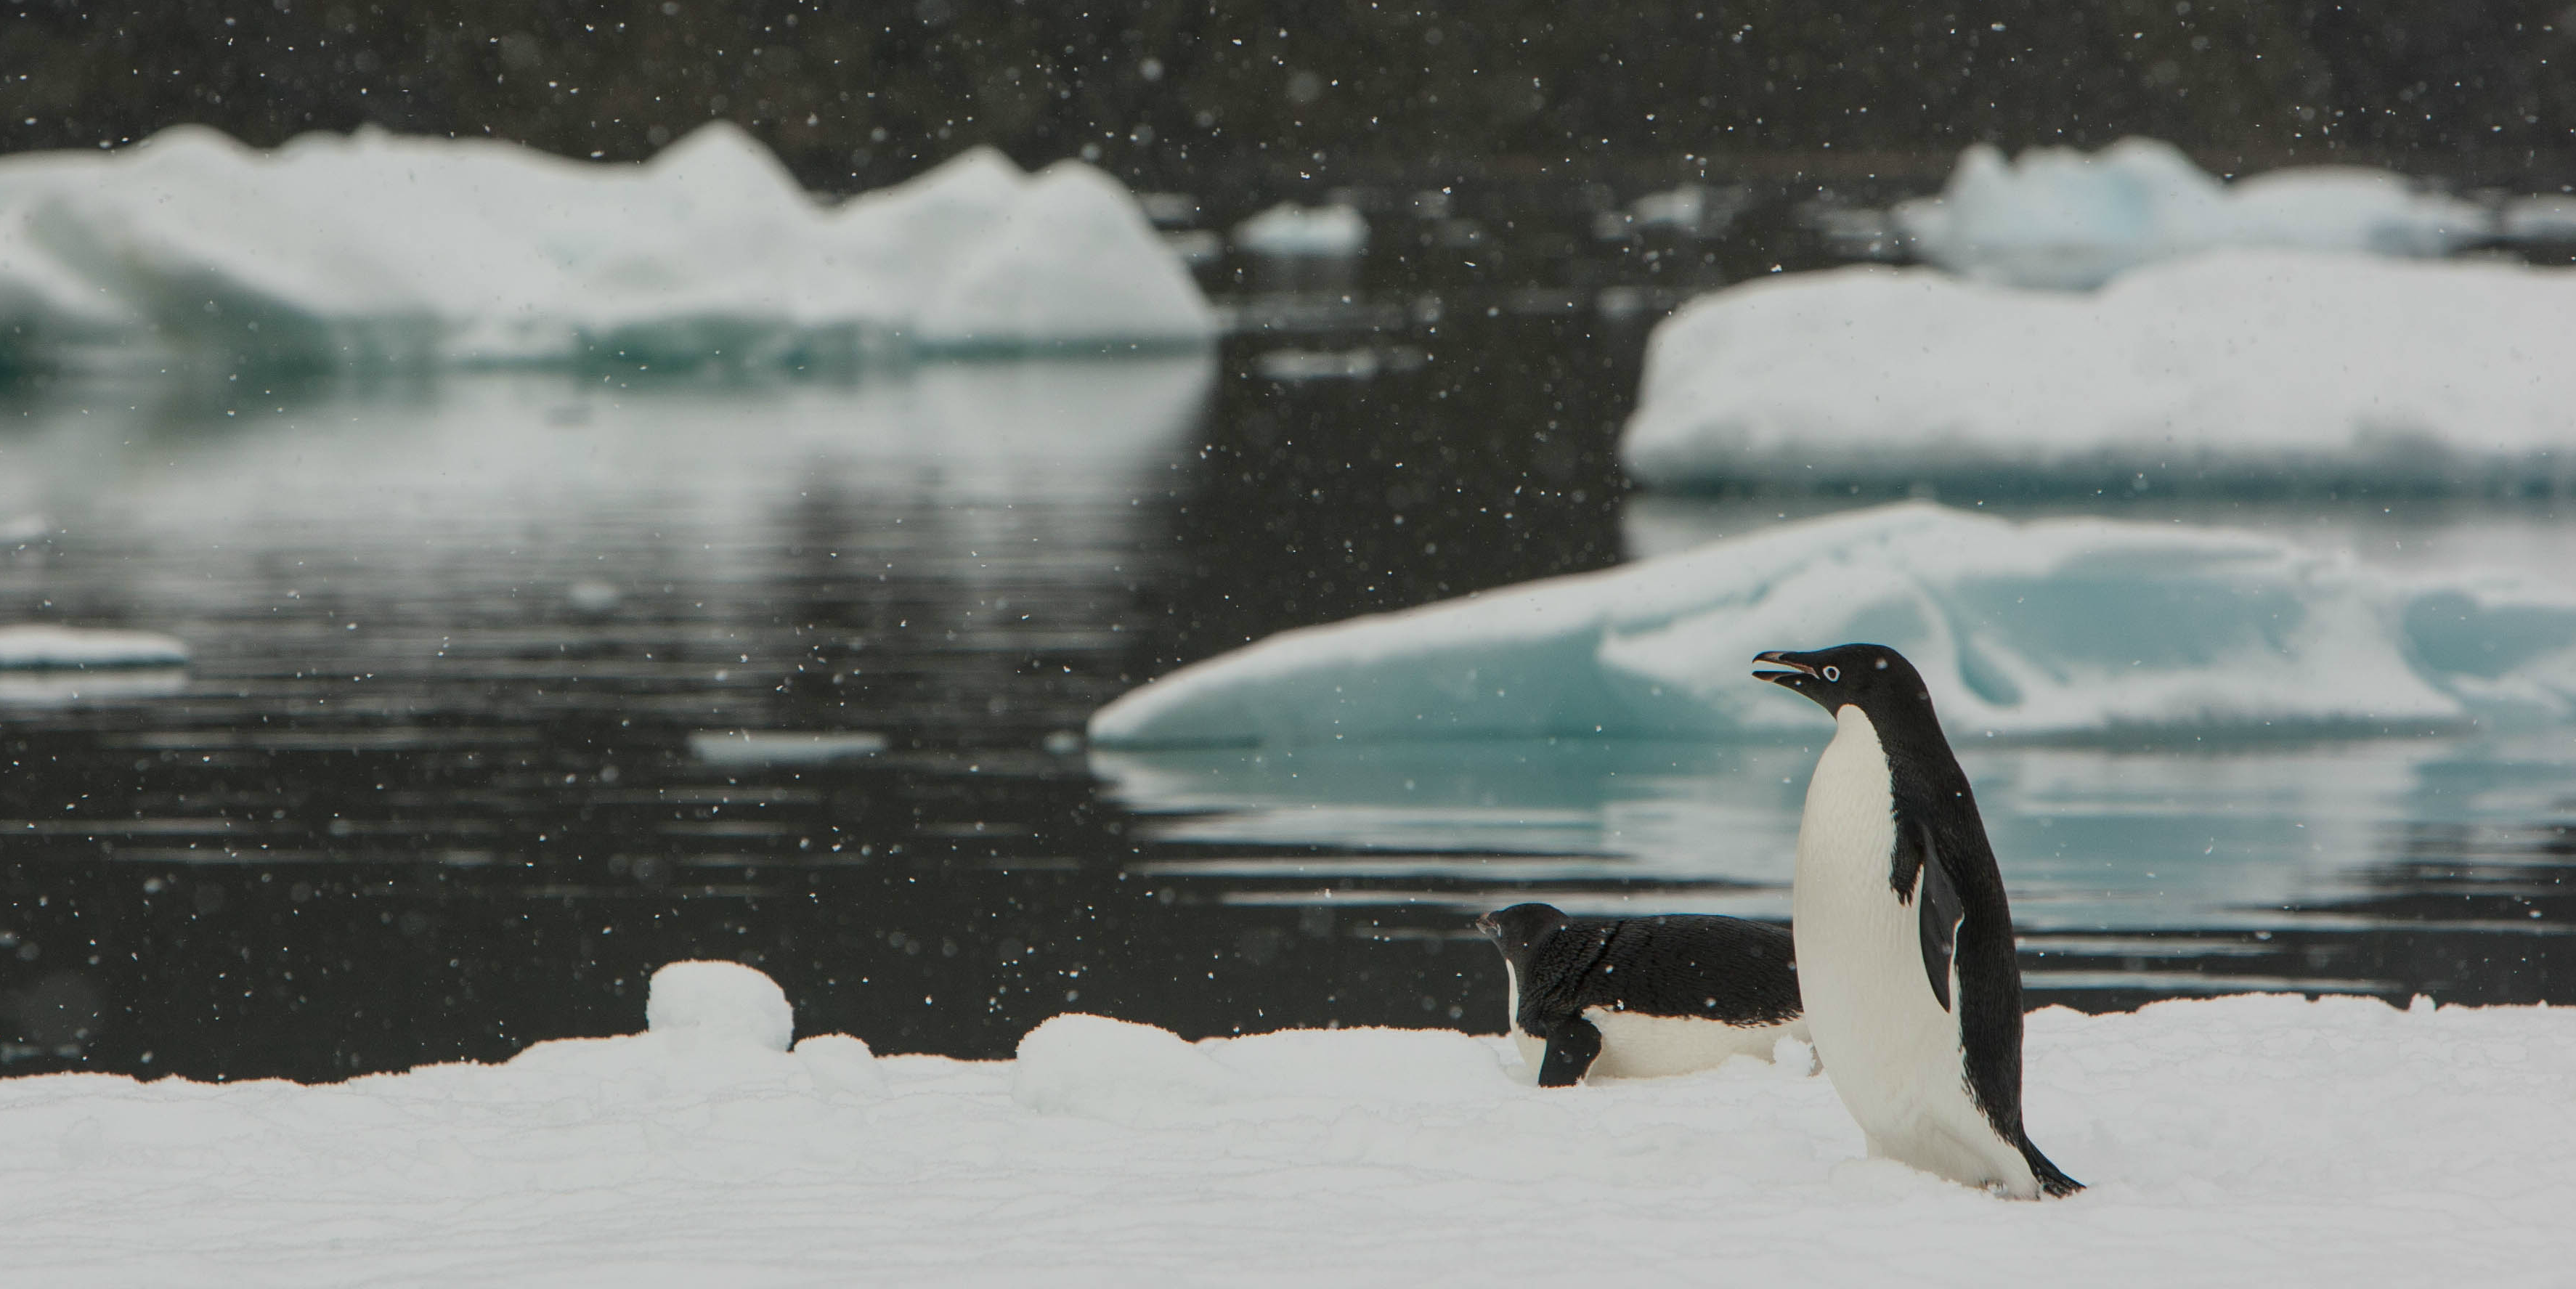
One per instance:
(1194, 92)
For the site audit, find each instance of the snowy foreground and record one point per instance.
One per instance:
(375, 248)
(2236, 366)
(2063, 218)
(2056, 628)
(2233, 1141)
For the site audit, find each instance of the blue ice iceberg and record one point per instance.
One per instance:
(2049, 629)
(382, 249)
(2060, 218)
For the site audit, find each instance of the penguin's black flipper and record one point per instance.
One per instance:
(1570, 1049)
(1937, 904)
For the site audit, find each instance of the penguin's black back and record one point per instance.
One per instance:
(1704, 967)
(1937, 822)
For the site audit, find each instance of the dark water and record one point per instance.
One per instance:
(509, 688)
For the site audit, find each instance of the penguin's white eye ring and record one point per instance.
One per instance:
(1833, 673)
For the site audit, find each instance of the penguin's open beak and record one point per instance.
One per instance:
(1485, 927)
(1797, 672)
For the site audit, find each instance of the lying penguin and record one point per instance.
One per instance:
(1905, 940)
(1640, 998)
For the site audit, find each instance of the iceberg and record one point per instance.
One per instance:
(2059, 218)
(2056, 629)
(2238, 367)
(1291, 231)
(381, 250)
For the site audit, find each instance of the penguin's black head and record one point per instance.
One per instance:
(1874, 678)
(1519, 929)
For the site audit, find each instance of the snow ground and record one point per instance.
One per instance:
(2234, 367)
(377, 249)
(2071, 220)
(2057, 628)
(2240, 1141)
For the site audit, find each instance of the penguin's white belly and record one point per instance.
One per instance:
(1892, 1050)
(1638, 1046)
(1533, 1049)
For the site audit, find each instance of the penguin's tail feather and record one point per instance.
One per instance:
(2053, 1182)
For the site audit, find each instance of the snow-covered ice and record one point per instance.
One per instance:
(48, 646)
(2062, 218)
(2059, 627)
(2238, 1140)
(1291, 231)
(2237, 365)
(375, 248)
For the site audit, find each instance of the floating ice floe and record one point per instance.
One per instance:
(45, 646)
(783, 747)
(1691, 210)
(2060, 218)
(382, 249)
(45, 664)
(1291, 231)
(2540, 219)
(2239, 367)
(2054, 628)
(1345, 1157)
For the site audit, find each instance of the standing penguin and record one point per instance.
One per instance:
(1640, 998)
(1905, 941)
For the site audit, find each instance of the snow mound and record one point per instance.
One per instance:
(2062, 627)
(838, 1063)
(2219, 1138)
(2238, 366)
(44, 646)
(724, 1003)
(1123, 1072)
(2063, 219)
(1291, 231)
(376, 249)
(1111, 1069)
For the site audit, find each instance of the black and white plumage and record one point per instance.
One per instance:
(1643, 997)
(1904, 936)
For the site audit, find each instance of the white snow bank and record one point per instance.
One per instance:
(377, 248)
(2051, 628)
(1291, 231)
(2057, 217)
(45, 646)
(2239, 1140)
(2237, 364)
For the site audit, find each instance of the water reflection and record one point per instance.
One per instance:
(507, 689)
(2093, 839)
